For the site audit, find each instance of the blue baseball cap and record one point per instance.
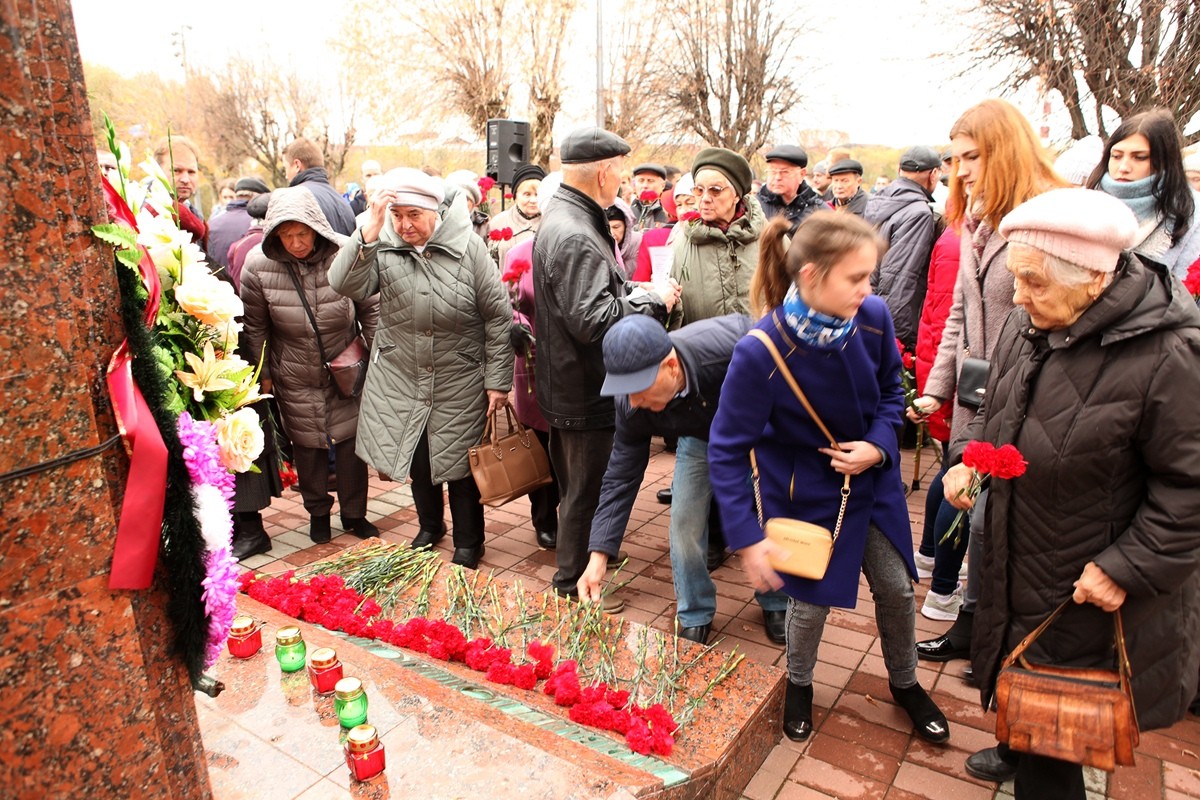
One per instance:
(633, 350)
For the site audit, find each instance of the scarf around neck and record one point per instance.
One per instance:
(1138, 195)
(817, 330)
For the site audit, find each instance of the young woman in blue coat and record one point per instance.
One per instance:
(839, 344)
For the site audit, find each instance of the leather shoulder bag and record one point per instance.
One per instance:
(808, 546)
(349, 367)
(507, 467)
(972, 377)
(1076, 714)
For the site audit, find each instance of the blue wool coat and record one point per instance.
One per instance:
(856, 390)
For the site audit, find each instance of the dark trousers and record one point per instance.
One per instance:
(312, 473)
(543, 501)
(579, 459)
(466, 512)
(1042, 778)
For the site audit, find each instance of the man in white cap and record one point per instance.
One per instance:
(580, 292)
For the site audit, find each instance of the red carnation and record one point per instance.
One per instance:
(690, 216)
(648, 196)
(495, 235)
(508, 195)
(486, 183)
(1008, 463)
(1192, 281)
(506, 234)
(978, 455)
(515, 270)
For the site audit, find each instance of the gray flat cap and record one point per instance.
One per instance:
(920, 159)
(591, 144)
(792, 153)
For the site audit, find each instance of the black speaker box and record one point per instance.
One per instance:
(507, 148)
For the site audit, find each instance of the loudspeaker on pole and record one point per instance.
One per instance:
(507, 148)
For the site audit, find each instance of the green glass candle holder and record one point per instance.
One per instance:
(289, 649)
(350, 702)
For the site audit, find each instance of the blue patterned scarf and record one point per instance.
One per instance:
(817, 330)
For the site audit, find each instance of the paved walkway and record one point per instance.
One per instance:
(857, 751)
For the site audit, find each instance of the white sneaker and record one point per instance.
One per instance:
(943, 607)
(924, 565)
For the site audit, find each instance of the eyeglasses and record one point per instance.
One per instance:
(711, 191)
(780, 171)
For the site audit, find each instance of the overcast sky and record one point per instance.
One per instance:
(879, 79)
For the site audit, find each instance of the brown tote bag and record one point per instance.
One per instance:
(508, 467)
(1085, 716)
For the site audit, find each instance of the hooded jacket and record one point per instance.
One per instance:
(902, 214)
(631, 244)
(1105, 413)
(335, 207)
(276, 320)
(443, 340)
(714, 266)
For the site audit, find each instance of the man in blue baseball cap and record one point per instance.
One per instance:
(668, 384)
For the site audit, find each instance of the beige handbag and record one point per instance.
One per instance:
(808, 546)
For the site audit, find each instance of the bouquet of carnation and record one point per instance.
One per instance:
(986, 461)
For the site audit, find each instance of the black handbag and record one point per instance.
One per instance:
(972, 378)
(348, 369)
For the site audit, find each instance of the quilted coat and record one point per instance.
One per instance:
(443, 340)
(1105, 413)
(714, 266)
(275, 319)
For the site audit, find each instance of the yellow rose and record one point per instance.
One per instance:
(208, 298)
(240, 438)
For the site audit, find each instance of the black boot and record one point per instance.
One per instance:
(249, 536)
(797, 712)
(928, 720)
(318, 528)
(954, 643)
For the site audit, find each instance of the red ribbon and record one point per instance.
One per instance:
(139, 530)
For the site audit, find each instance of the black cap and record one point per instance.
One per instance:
(657, 169)
(257, 207)
(920, 158)
(527, 172)
(792, 153)
(633, 350)
(846, 165)
(251, 184)
(591, 144)
(728, 163)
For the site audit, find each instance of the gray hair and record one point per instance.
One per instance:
(1067, 274)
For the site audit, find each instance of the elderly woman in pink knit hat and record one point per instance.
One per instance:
(1094, 379)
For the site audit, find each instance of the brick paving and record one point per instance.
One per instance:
(863, 746)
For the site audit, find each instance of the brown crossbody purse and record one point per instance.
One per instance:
(1077, 714)
(808, 546)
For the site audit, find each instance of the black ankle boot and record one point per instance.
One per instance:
(318, 528)
(249, 536)
(928, 720)
(797, 712)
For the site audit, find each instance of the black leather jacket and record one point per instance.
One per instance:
(580, 292)
(805, 203)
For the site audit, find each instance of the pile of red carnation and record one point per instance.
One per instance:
(325, 600)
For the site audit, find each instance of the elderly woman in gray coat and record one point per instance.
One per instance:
(442, 360)
(297, 247)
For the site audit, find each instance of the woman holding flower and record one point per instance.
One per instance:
(1094, 380)
(519, 222)
(297, 248)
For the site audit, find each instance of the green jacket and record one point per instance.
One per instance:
(714, 266)
(443, 339)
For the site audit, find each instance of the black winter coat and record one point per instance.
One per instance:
(580, 292)
(335, 207)
(803, 205)
(1106, 414)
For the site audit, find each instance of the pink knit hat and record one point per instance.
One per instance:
(1085, 227)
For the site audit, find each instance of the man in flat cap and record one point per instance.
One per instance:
(226, 229)
(579, 293)
(846, 185)
(902, 213)
(649, 182)
(786, 193)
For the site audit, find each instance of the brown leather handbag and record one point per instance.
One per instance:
(1085, 716)
(507, 467)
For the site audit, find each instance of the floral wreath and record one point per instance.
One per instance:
(182, 399)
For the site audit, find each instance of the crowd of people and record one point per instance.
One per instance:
(1044, 302)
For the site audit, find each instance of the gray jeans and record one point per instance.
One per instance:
(895, 615)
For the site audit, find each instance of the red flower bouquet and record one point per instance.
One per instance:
(908, 377)
(986, 461)
(1192, 281)
(690, 216)
(648, 196)
(500, 234)
(516, 269)
(486, 183)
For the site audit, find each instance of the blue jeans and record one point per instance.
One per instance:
(691, 499)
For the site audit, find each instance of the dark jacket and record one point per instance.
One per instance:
(335, 207)
(227, 229)
(802, 206)
(856, 391)
(580, 292)
(704, 349)
(313, 412)
(902, 214)
(1105, 413)
(857, 204)
(649, 216)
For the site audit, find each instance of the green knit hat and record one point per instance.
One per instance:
(729, 164)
